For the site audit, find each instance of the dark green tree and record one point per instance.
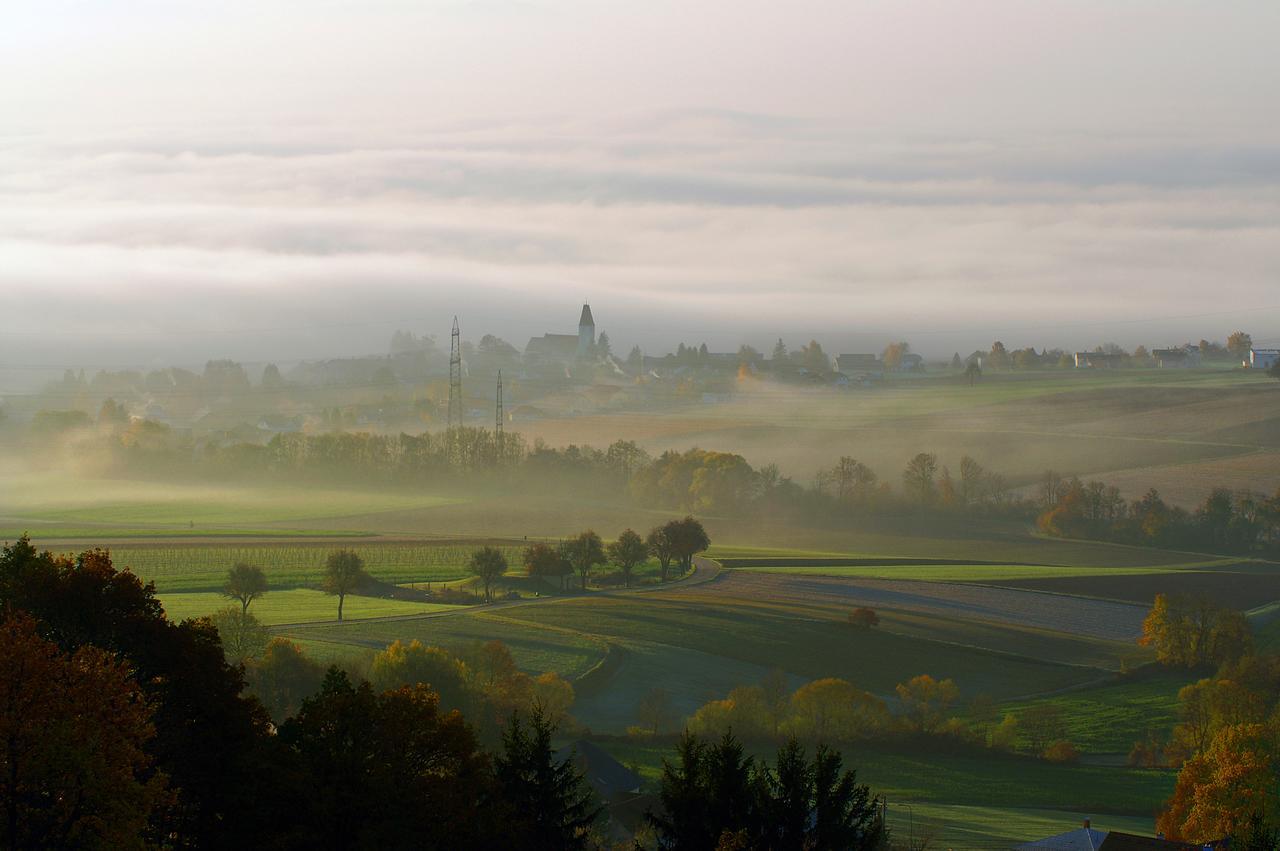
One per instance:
(488, 564)
(688, 538)
(628, 552)
(343, 574)
(585, 551)
(660, 547)
(548, 799)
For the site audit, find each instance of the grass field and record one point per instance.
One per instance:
(294, 605)
(203, 567)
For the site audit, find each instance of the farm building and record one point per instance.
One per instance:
(1263, 358)
(1185, 357)
(1098, 360)
(1083, 838)
(859, 363)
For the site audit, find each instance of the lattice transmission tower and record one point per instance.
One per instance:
(455, 377)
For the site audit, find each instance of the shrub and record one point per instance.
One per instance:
(1061, 751)
(864, 618)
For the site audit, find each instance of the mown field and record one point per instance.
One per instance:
(203, 567)
(294, 605)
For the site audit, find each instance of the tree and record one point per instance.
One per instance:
(708, 792)
(926, 701)
(864, 618)
(776, 694)
(1191, 630)
(956, 364)
(972, 371)
(546, 561)
(548, 798)
(488, 564)
(917, 478)
(661, 548)
(415, 664)
(585, 551)
(375, 763)
(894, 353)
(604, 348)
(1239, 344)
(627, 553)
(688, 538)
(282, 677)
(1042, 724)
(635, 361)
(1220, 790)
(343, 574)
(779, 355)
(245, 583)
(655, 711)
(210, 741)
(74, 770)
(243, 636)
(834, 710)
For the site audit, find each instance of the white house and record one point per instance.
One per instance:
(1263, 358)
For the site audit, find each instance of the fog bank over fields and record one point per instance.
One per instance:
(309, 208)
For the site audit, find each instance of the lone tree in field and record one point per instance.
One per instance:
(488, 563)
(585, 552)
(343, 574)
(688, 538)
(245, 583)
(627, 553)
(660, 548)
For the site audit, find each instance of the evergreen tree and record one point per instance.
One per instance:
(551, 806)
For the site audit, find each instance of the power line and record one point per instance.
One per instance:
(455, 377)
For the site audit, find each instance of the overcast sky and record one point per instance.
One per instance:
(183, 179)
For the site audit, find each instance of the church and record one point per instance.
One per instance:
(564, 347)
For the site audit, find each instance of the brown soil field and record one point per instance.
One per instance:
(1093, 618)
(1187, 484)
(1237, 590)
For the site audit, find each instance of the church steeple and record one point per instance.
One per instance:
(586, 332)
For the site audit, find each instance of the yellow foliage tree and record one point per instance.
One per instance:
(1218, 789)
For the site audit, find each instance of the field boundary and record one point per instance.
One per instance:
(867, 561)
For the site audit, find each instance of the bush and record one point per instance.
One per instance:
(1061, 751)
(863, 618)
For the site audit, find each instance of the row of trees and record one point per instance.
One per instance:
(834, 711)
(1225, 522)
(674, 542)
(123, 729)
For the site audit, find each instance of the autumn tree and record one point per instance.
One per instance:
(547, 561)
(1239, 344)
(74, 769)
(488, 564)
(918, 477)
(282, 677)
(1191, 630)
(926, 701)
(834, 710)
(1220, 789)
(413, 664)
(628, 552)
(343, 574)
(1042, 724)
(549, 801)
(375, 762)
(245, 583)
(894, 353)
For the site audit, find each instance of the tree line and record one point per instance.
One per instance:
(125, 729)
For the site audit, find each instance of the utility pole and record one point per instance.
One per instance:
(455, 377)
(498, 419)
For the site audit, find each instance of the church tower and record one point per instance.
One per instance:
(586, 332)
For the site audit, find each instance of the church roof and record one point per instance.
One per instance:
(586, 317)
(557, 346)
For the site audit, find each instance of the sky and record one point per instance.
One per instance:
(271, 180)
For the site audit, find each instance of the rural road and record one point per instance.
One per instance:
(704, 570)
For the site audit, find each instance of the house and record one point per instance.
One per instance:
(610, 779)
(911, 362)
(1183, 357)
(1099, 360)
(1083, 838)
(1263, 358)
(858, 363)
(1117, 841)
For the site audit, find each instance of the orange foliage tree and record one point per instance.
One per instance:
(1219, 789)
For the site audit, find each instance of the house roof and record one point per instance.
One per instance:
(1080, 839)
(1132, 842)
(857, 361)
(586, 317)
(563, 346)
(605, 774)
